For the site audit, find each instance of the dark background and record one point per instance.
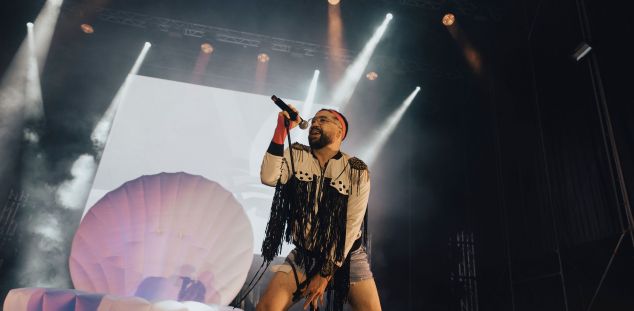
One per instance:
(516, 153)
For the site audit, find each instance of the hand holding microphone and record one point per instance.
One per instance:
(285, 115)
(289, 113)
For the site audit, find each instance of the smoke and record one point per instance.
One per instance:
(30, 136)
(51, 218)
(46, 227)
(72, 193)
(47, 241)
(49, 231)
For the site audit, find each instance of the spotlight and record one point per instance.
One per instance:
(263, 58)
(389, 16)
(334, 2)
(206, 48)
(147, 44)
(448, 19)
(87, 29)
(581, 51)
(372, 75)
(29, 24)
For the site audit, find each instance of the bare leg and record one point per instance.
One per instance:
(278, 295)
(364, 296)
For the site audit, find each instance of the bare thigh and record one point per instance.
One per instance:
(278, 295)
(364, 296)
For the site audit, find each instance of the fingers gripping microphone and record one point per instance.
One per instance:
(303, 124)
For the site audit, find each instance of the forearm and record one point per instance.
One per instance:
(357, 206)
(274, 167)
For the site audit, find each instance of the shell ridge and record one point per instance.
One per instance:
(83, 272)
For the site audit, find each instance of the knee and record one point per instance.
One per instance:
(264, 305)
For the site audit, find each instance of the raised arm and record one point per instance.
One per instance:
(275, 162)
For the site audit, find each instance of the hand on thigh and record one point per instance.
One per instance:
(279, 293)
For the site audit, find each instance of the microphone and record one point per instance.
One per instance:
(303, 124)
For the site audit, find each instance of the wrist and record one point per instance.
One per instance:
(280, 131)
(325, 275)
(279, 136)
(327, 270)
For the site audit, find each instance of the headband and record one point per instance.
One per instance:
(342, 120)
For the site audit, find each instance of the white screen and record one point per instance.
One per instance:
(222, 135)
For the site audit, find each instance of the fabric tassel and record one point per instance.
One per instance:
(272, 244)
(341, 286)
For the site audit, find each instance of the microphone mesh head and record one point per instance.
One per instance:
(303, 125)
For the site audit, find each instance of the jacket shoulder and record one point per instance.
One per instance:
(298, 146)
(357, 164)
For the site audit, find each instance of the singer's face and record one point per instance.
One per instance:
(323, 130)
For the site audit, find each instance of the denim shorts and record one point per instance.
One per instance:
(359, 265)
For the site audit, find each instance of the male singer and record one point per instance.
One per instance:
(320, 202)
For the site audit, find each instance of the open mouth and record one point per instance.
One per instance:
(314, 131)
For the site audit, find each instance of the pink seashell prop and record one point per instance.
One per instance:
(170, 236)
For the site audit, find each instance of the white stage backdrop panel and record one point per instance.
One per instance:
(168, 126)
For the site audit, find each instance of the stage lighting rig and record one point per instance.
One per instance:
(448, 19)
(263, 58)
(207, 48)
(581, 51)
(87, 29)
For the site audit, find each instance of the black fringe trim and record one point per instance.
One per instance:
(339, 286)
(292, 211)
(299, 146)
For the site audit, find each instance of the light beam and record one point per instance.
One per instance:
(32, 89)
(20, 91)
(261, 71)
(310, 97)
(336, 52)
(354, 72)
(44, 27)
(380, 137)
(472, 56)
(307, 109)
(99, 135)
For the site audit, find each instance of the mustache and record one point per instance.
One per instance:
(312, 128)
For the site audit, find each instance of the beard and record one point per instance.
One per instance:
(318, 143)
